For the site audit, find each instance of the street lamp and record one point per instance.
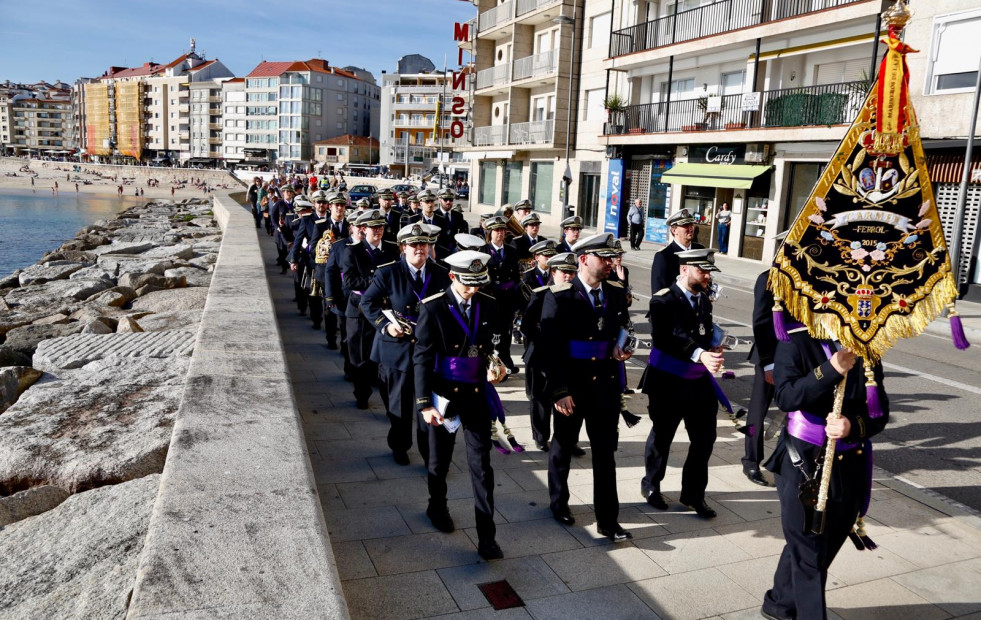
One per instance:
(562, 20)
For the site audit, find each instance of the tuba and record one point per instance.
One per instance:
(514, 226)
(320, 256)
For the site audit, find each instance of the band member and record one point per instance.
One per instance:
(398, 288)
(571, 228)
(538, 276)
(281, 214)
(504, 275)
(531, 223)
(805, 374)
(560, 268)
(764, 348)
(457, 223)
(466, 241)
(581, 323)
(430, 216)
(479, 230)
(679, 383)
(522, 208)
(393, 215)
(358, 267)
(297, 255)
(664, 269)
(454, 367)
(308, 229)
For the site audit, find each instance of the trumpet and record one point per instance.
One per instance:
(399, 319)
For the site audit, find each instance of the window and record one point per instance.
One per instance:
(599, 31)
(840, 72)
(954, 50)
(680, 89)
(541, 186)
(732, 83)
(544, 41)
(512, 182)
(488, 183)
(593, 110)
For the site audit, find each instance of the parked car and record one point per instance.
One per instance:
(362, 191)
(463, 193)
(404, 187)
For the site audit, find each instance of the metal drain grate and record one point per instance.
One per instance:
(501, 595)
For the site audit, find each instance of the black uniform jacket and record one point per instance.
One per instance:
(391, 288)
(531, 326)
(567, 315)
(282, 211)
(805, 380)
(665, 269)
(764, 339)
(444, 241)
(503, 270)
(675, 332)
(333, 283)
(533, 279)
(439, 333)
(306, 233)
(393, 223)
(457, 223)
(524, 243)
(358, 266)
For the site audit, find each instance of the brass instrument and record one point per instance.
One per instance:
(320, 256)
(514, 226)
(496, 370)
(399, 319)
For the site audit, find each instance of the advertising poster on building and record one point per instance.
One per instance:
(614, 193)
(656, 230)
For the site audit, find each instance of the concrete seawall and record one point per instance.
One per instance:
(237, 529)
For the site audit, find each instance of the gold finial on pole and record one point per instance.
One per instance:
(898, 15)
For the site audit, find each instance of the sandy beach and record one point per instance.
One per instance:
(106, 179)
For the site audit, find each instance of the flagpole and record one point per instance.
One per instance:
(957, 230)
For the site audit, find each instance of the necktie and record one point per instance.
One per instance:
(694, 303)
(465, 306)
(597, 304)
(417, 283)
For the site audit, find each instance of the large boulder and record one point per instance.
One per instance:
(105, 423)
(9, 357)
(93, 273)
(57, 355)
(164, 321)
(136, 281)
(83, 243)
(193, 276)
(78, 560)
(11, 281)
(25, 339)
(170, 301)
(13, 381)
(123, 248)
(51, 293)
(19, 506)
(48, 271)
(118, 265)
(181, 251)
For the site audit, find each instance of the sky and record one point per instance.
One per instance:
(67, 39)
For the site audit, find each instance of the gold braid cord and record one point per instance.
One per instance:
(866, 262)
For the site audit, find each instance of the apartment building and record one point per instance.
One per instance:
(346, 152)
(522, 115)
(35, 118)
(204, 146)
(144, 112)
(234, 119)
(291, 105)
(408, 118)
(943, 76)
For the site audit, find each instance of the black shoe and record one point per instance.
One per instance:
(773, 616)
(756, 477)
(542, 445)
(362, 403)
(303, 312)
(489, 550)
(577, 451)
(563, 516)
(616, 533)
(441, 519)
(331, 345)
(656, 500)
(701, 509)
(401, 458)
(316, 326)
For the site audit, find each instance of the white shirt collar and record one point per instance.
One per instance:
(590, 289)
(460, 300)
(414, 271)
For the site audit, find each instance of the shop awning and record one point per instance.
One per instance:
(733, 176)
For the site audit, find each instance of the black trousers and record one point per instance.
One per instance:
(802, 572)
(698, 408)
(342, 327)
(541, 404)
(399, 390)
(363, 371)
(257, 215)
(477, 435)
(507, 320)
(330, 326)
(636, 235)
(601, 413)
(759, 404)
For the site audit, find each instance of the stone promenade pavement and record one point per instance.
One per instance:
(394, 564)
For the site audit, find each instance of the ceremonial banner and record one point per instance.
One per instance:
(866, 262)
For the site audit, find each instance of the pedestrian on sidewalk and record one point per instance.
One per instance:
(635, 217)
(806, 372)
(455, 334)
(723, 217)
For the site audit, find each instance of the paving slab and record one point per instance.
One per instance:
(613, 603)
(884, 599)
(414, 552)
(597, 567)
(674, 596)
(531, 577)
(397, 597)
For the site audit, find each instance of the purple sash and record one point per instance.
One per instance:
(460, 369)
(590, 349)
(687, 370)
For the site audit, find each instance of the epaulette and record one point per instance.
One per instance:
(392, 262)
(532, 268)
(353, 242)
(321, 220)
(389, 242)
(558, 288)
(432, 297)
(663, 291)
(539, 289)
(616, 284)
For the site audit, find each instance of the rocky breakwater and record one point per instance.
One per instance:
(95, 343)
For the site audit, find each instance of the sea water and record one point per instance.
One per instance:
(34, 223)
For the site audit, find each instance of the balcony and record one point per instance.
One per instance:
(214, 126)
(490, 136)
(832, 104)
(711, 19)
(535, 66)
(535, 132)
(494, 76)
(527, 6)
(496, 16)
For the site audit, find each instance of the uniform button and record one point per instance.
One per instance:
(859, 451)
(475, 390)
(592, 359)
(594, 378)
(590, 338)
(841, 457)
(456, 346)
(456, 389)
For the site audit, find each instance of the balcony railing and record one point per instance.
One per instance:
(535, 132)
(832, 104)
(490, 136)
(536, 66)
(493, 76)
(711, 19)
(527, 6)
(496, 16)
